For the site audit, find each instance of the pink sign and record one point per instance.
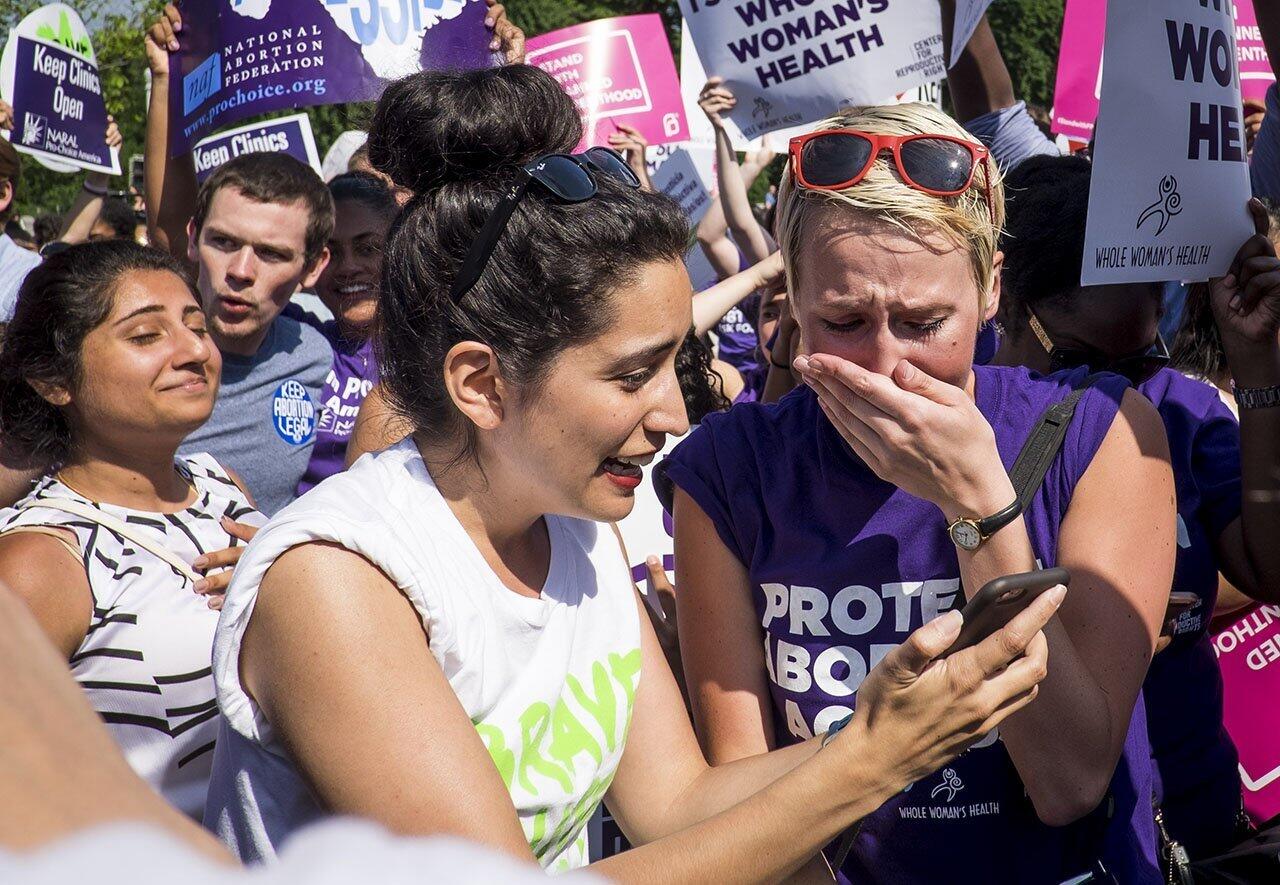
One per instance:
(1255, 67)
(617, 70)
(1075, 95)
(1248, 653)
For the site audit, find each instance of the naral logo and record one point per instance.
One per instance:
(294, 413)
(34, 127)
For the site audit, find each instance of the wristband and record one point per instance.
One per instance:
(1257, 397)
(96, 191)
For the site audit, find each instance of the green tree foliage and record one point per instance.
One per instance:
(1028, 31)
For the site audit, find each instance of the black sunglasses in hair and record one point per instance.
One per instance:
(1137, 367)
(567, 177)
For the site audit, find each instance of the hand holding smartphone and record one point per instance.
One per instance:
(999, 602)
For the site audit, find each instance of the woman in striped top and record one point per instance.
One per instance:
(104, 370)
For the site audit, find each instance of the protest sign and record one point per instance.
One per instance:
(1076, 91)
(1255, 67)
(675, 173)
(968, 14)
(616, 70)
(1079, 83)
(252, 56)
(284, 135)
(790, 64)
(1170, 179)
(338, 157)
(49, 74)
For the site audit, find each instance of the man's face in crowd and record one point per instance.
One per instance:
(252, 258)
(870, 293)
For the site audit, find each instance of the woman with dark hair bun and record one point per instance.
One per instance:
(106, 367)
(484, 669)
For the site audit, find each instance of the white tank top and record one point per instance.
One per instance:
(144, 662)
(549, 683)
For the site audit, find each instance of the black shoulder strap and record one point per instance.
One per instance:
(1043, 445)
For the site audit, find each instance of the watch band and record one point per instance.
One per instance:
(1257, 397)
(998, 520)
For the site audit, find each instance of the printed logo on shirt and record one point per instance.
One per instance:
(294, 413)
(559, 762)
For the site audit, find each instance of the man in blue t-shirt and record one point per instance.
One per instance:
(255, 233)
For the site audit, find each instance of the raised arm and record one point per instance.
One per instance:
(986, 105)
(713, 239)
(715, 100)
(710, 305)
(80, 218)
(1246, 308)
(169, 183)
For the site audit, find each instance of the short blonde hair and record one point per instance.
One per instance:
(964, 219)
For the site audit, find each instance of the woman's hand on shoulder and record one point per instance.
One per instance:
(919, 709)
(922, 435)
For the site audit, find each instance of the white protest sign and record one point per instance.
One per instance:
(968, 14)
(790, 63)
(1170, 180)
(338, 157)
(675, 174)
(284, 135)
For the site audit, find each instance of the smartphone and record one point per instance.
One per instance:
(1000, 601)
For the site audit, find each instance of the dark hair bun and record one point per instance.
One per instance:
(433, 128)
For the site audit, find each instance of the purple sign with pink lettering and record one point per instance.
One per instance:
(1075, 95)
(617, 70)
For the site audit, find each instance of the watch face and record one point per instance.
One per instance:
(966, 535)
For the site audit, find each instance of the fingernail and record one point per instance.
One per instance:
(199, 562)
(653, 561)
(488, 23)
(1057, 594)
(950, 622)
(201, 586)
(1234, 304)
(801, 364)
(908, 371)
(173, 45)
(493, 44)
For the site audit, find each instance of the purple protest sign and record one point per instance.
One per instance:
(617, 70)
(286, 135)
(248, 57)
(1075, 95)
(1255, 67)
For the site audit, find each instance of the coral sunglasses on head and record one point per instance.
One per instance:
(941, 165)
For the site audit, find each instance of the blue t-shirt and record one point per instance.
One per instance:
(1264, 163)
(264, 422)
(1011, 135)
(843, 566)
(1198, 780)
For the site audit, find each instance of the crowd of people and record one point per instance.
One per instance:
(435, 496)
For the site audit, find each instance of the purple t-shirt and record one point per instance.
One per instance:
(843, 566)
(1197, 775)
(737, 337)
(354, 373)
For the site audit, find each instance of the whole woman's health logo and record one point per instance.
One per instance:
(1163, 209)
(294, 413)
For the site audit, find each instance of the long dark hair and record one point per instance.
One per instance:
(62, 300)
(700, 384)
(456, 140)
